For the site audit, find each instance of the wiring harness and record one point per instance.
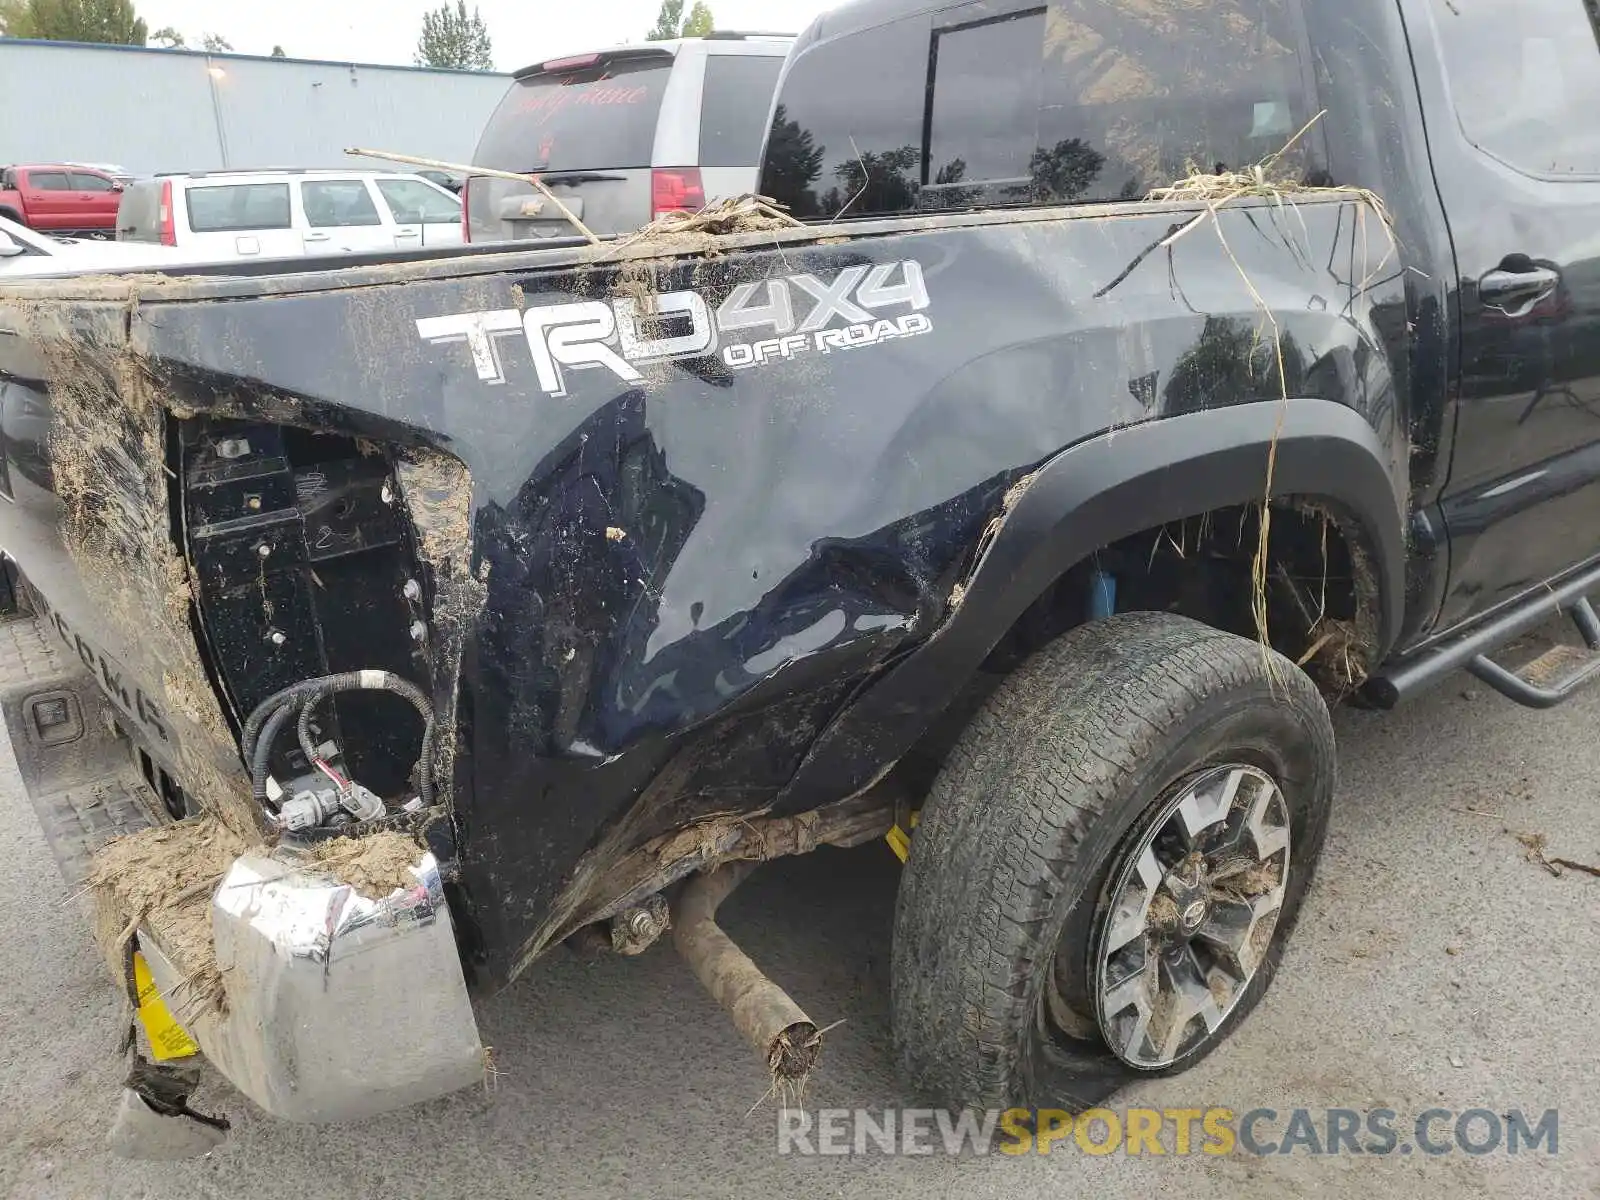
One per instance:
(264, 725)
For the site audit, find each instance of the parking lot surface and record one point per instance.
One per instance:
(1435, 966)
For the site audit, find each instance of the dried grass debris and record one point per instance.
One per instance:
(741, 214)
(1265, 181)
(374, 865)
(163, 879)
(1535, 846)
(698, 232)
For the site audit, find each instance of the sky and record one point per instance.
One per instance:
(385, 31)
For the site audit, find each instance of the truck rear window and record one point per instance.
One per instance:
(1060, 102)
(601, 117)
(733, 108)
(225, 208)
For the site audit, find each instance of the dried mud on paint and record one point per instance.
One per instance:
(438, 493)
(682, 235)
(163, 879)
(108, 466)
(437, 490)
(107, 461)
(1014, 493)
(374, 865)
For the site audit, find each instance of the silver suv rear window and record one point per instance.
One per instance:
(225, 208)
(138, 214)
(733, 108)
(598, 117)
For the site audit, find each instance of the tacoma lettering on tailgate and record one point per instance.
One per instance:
(108, 673)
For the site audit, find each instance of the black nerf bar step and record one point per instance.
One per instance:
(1556, 674)
(1553, 677)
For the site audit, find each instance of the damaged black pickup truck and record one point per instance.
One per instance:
(440, 609)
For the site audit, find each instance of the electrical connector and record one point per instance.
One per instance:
(314, 807)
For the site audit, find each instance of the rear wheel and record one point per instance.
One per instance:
(1108, 865)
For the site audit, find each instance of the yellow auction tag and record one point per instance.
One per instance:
(167, 1038)
(900, 840)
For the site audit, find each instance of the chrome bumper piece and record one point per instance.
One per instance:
(339, 1006)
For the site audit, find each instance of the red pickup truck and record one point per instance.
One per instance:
(60, 199)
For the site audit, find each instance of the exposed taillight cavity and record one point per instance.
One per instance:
(676, 189)
(169, 231)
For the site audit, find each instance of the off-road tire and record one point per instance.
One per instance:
(1018, 837)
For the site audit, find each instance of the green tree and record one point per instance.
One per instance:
(671, 23)
(945, 194)
(108, 21)
(1231, 361)
(876, 182)
(452, 37)
(169, 37)
(215, 43)
(1065, 171)
(667, 22)
(277, 52)
(793, 164)
(700, 21)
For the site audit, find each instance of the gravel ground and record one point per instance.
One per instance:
(1434, 966)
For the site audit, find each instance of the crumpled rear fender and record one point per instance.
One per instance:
(1096, 493)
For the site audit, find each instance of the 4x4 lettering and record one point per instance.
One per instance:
(877, 292)
(736, 312)
(832, 299)
(617, 333)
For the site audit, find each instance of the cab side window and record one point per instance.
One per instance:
(1525, 82)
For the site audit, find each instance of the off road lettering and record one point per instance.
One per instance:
(797, 314)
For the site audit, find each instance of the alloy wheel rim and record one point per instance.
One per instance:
(1193, 911)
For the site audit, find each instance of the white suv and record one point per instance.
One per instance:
(277, 214)
(626, 134)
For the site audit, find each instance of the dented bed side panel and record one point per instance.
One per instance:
(665, 549)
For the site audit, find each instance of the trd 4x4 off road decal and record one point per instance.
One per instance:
(800, 313)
